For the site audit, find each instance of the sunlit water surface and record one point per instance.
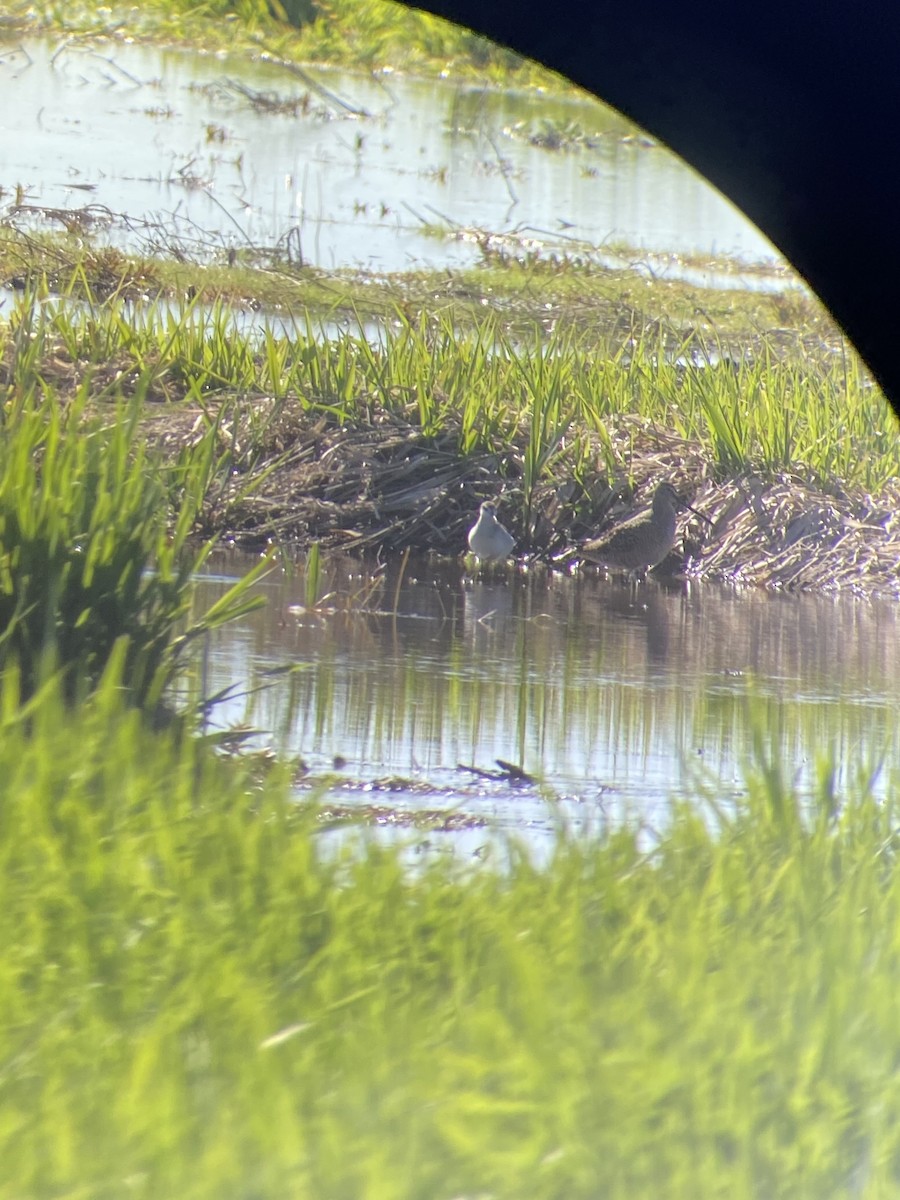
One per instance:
(617, 699)
(166, 151)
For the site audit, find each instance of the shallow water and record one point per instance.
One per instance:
(618, 699)
(349, 179)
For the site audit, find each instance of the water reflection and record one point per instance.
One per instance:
(618, 698)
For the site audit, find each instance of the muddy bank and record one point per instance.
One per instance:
(387, 487)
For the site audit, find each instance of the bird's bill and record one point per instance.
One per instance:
(689, 508)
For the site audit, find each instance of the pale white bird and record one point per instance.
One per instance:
(488, 540)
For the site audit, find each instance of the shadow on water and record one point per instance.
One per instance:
(614, 698)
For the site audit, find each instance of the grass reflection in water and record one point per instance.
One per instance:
(615, 698)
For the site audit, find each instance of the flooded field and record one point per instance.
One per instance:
(616, 699)
(401, 695)
(170, 152)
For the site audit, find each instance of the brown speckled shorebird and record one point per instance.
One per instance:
(643, 542)
(488, 540)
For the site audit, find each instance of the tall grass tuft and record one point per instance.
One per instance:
(90, 555)
(481, 390)
(547, 399)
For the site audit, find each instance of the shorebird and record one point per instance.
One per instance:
(488, 540)
(641, 543)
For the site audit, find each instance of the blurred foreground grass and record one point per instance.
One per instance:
(204, 997)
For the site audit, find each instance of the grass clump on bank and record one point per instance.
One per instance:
(202, 998)
(391, 437)
(521, 293)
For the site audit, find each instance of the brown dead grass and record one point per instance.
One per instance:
(788, 533)
(387, 487)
